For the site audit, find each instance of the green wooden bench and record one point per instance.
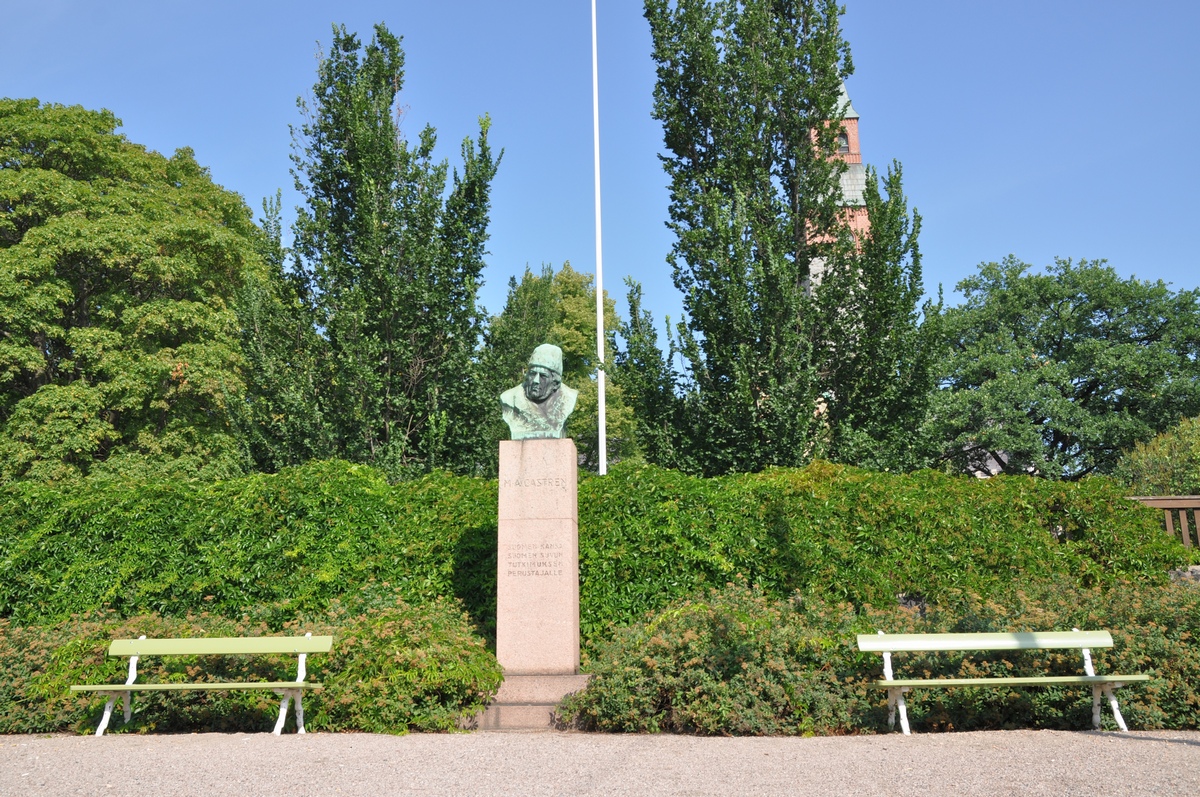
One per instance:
(212, 646)
(887, 644)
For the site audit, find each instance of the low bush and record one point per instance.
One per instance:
(738, 662)
(393, 668)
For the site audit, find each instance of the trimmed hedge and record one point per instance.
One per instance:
(297, 541)
(650, 536)
(393, 668)
(738, 662)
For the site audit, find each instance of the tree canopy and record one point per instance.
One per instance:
(800, 340)
(118, 344)
(389, 252)
(1058, 373)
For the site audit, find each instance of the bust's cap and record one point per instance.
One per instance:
(548, 356)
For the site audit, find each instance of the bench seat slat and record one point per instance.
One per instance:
(220, 646)
(1024, 640)
(209, 687)
(1029, 681)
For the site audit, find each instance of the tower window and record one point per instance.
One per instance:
(843, 143)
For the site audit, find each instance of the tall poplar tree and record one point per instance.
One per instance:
(877, 354)
(390, 261)
(748, 93)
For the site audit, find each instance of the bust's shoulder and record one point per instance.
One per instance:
(513, 396)
(569, 396)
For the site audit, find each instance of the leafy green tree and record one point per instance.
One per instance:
(748, 93)
(1058, 373)
(651, 388)
(560, 308)
(390, 257)
(281, 419)
(118, 346)
(877, 353)
(801, 341)
(1169, 464)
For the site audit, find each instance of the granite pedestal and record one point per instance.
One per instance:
(537, 585)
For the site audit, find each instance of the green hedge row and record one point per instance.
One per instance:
(297, 541)
(393, 668)
(739, 662)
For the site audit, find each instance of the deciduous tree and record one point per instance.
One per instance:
(391, 258)
(118, 344)
(1057, 373)
(748, 93)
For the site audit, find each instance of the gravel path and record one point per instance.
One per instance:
(982, 763)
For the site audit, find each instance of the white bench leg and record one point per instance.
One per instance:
(1096, 707)
(903, 713)
(1112, 699)
(299, 711)
(896, 700)
(108, 707)
(283, 707)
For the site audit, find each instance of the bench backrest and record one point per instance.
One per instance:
(219, 646)
(1021, 640)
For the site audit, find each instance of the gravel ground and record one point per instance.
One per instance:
(982, 763)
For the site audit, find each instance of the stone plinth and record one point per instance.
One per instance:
(526, 702)
(537, 584)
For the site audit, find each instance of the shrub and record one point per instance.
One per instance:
(297, 541)
(393, 668)
(732, 663)
(1169, 464)
(649, 537)
(737, 662)
(293, 542)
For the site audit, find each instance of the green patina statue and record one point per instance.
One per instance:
(538, 407)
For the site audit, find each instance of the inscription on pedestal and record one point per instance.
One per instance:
(534, 559)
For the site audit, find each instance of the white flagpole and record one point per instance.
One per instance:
(599, 258)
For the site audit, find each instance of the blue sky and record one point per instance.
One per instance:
(1042, 129)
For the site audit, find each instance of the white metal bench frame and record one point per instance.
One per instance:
(1102, 685)
(288, 690)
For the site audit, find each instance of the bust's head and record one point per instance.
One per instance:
(544, 374)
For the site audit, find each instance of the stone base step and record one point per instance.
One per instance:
(527, 702)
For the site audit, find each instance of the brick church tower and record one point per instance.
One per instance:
(854, 179)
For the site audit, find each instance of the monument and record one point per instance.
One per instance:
(537, 583)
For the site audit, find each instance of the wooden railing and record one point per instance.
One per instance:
(1174, 506)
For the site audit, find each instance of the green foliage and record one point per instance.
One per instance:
(800, 341)
(393, 668)
(734, 663)
(877, 354)
(118, 266)
(737, 662)
(389, 259)
(560, 308)
(749, 97)
(281, 421)
(644, 373)
(298, 540)
(1167, 465)
(396, 667)
(649, 536)
(1058, 373)
(293, 541)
